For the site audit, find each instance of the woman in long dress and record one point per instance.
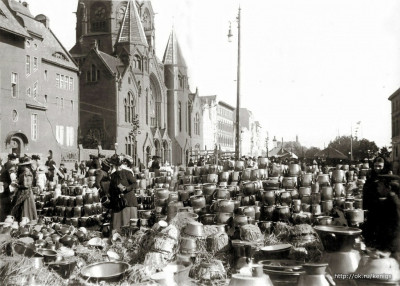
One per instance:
(122, 186)
(24, 201)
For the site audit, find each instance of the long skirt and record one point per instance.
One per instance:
(5, 205)
(29, 208)
(122, 218)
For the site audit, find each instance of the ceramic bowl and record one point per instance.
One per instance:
(278, 251)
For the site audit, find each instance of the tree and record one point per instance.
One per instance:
(385, 153)
(361, 148)
(90, 141)
(310, 152)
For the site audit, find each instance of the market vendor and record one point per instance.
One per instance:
(122, 197)
(382, 228)
(102, 181)
(23, 204)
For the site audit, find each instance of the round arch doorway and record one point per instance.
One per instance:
(17, 142)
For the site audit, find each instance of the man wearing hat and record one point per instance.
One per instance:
(102, 181)
(50, 163)
(156, 164)
(12, 161)
(7, 178)
(382, 228)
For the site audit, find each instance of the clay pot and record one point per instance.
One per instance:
(224, 177)
(285, 198)
(268, 197)
(338, 176)
(262, 162)
(198, 202)
(339, 190)
(222, 218)
(225, 206)
(255, 174)
(267, 212)
(207, 219)
(235, 176)
(209, 189)
(327, 206)
(283, 213)
(306, 180)
(221, 194)
(240, 220)
(289, 182)
(212, 178)
(239, 165)
(77, 211)
(249, 188)
(326, 193)
(304, 191)
(323, 180)
(294, 194)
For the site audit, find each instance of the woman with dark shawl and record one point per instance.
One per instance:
(24, 201)
(122, 188)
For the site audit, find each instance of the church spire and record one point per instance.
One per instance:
(131, 29)
(173, 54)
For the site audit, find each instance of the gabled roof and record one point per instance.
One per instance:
(9, 24)
(278, 152)
(111, 62)
(131, 29)
(173, 54)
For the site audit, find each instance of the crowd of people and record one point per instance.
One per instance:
(116, 183)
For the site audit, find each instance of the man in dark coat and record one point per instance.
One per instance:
(372, 202)
(156, 164)
(103, 178)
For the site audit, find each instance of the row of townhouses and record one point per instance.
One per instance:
(110, 89)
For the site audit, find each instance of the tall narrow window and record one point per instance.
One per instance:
(130, 107)
(14, 84)
(147, 109)
(35, 64)
(197, 124)
(58, 80)
(45, 98)
(72, 104)
(71, 83)
(34, 126)
(60, 134)
(93, 73)
(180, 116)
(69, 136)
(28, 92)
(62, 103)
(35, 90)
(28, 65)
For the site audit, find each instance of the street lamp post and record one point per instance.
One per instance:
(237, 145)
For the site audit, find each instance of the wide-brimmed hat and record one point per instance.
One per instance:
(35, 157)
(12, 156)
(106, 163)
(24, 161)
(128, 158)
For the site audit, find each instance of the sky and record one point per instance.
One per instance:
(312, 68)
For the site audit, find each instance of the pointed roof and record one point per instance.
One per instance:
(331, 153)
(131, 29)
(173, 53)
(111, 62)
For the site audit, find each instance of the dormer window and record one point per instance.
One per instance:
(60, 56)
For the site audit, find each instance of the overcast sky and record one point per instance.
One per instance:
(311, 68)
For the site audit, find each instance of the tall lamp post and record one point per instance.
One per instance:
(237, 139)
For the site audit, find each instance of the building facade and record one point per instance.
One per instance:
(209, 122)
(395, 108)
(123, 95)
(39, 95)
(130, 100)
(252, 135)
(225, 127)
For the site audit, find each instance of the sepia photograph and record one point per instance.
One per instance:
(188, 142)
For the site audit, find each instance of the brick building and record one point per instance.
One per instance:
(395, 102)
(39, 91)
(184, 107)
(121, 79)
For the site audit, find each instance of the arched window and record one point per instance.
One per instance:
(98, 18)
(180, 116)
(130, 107)
(138, 62)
